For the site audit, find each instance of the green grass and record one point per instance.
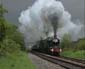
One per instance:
(74, 54)
(19, 61)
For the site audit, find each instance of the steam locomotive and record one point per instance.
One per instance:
(48, 46)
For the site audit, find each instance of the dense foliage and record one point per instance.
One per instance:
(12, 41)
(80, 44)
(67, 43)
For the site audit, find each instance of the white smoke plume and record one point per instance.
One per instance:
(35, 21)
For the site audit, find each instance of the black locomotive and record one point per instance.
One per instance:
(48, 46)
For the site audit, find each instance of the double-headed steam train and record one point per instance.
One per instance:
(48, 46)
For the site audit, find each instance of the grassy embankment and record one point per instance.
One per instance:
(74, 54)
(16, 61)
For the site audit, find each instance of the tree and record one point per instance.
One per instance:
(81, 44)
(66, 42)
(11, 40)
(2, 21)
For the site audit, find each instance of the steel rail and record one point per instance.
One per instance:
(66, 63)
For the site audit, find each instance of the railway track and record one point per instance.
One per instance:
(74, 59)
(68, 63)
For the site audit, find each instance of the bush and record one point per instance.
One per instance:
(9, 46)
(81, 45)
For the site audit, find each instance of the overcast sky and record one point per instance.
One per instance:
(75, 7)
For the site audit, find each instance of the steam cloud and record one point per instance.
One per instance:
(35, 21)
